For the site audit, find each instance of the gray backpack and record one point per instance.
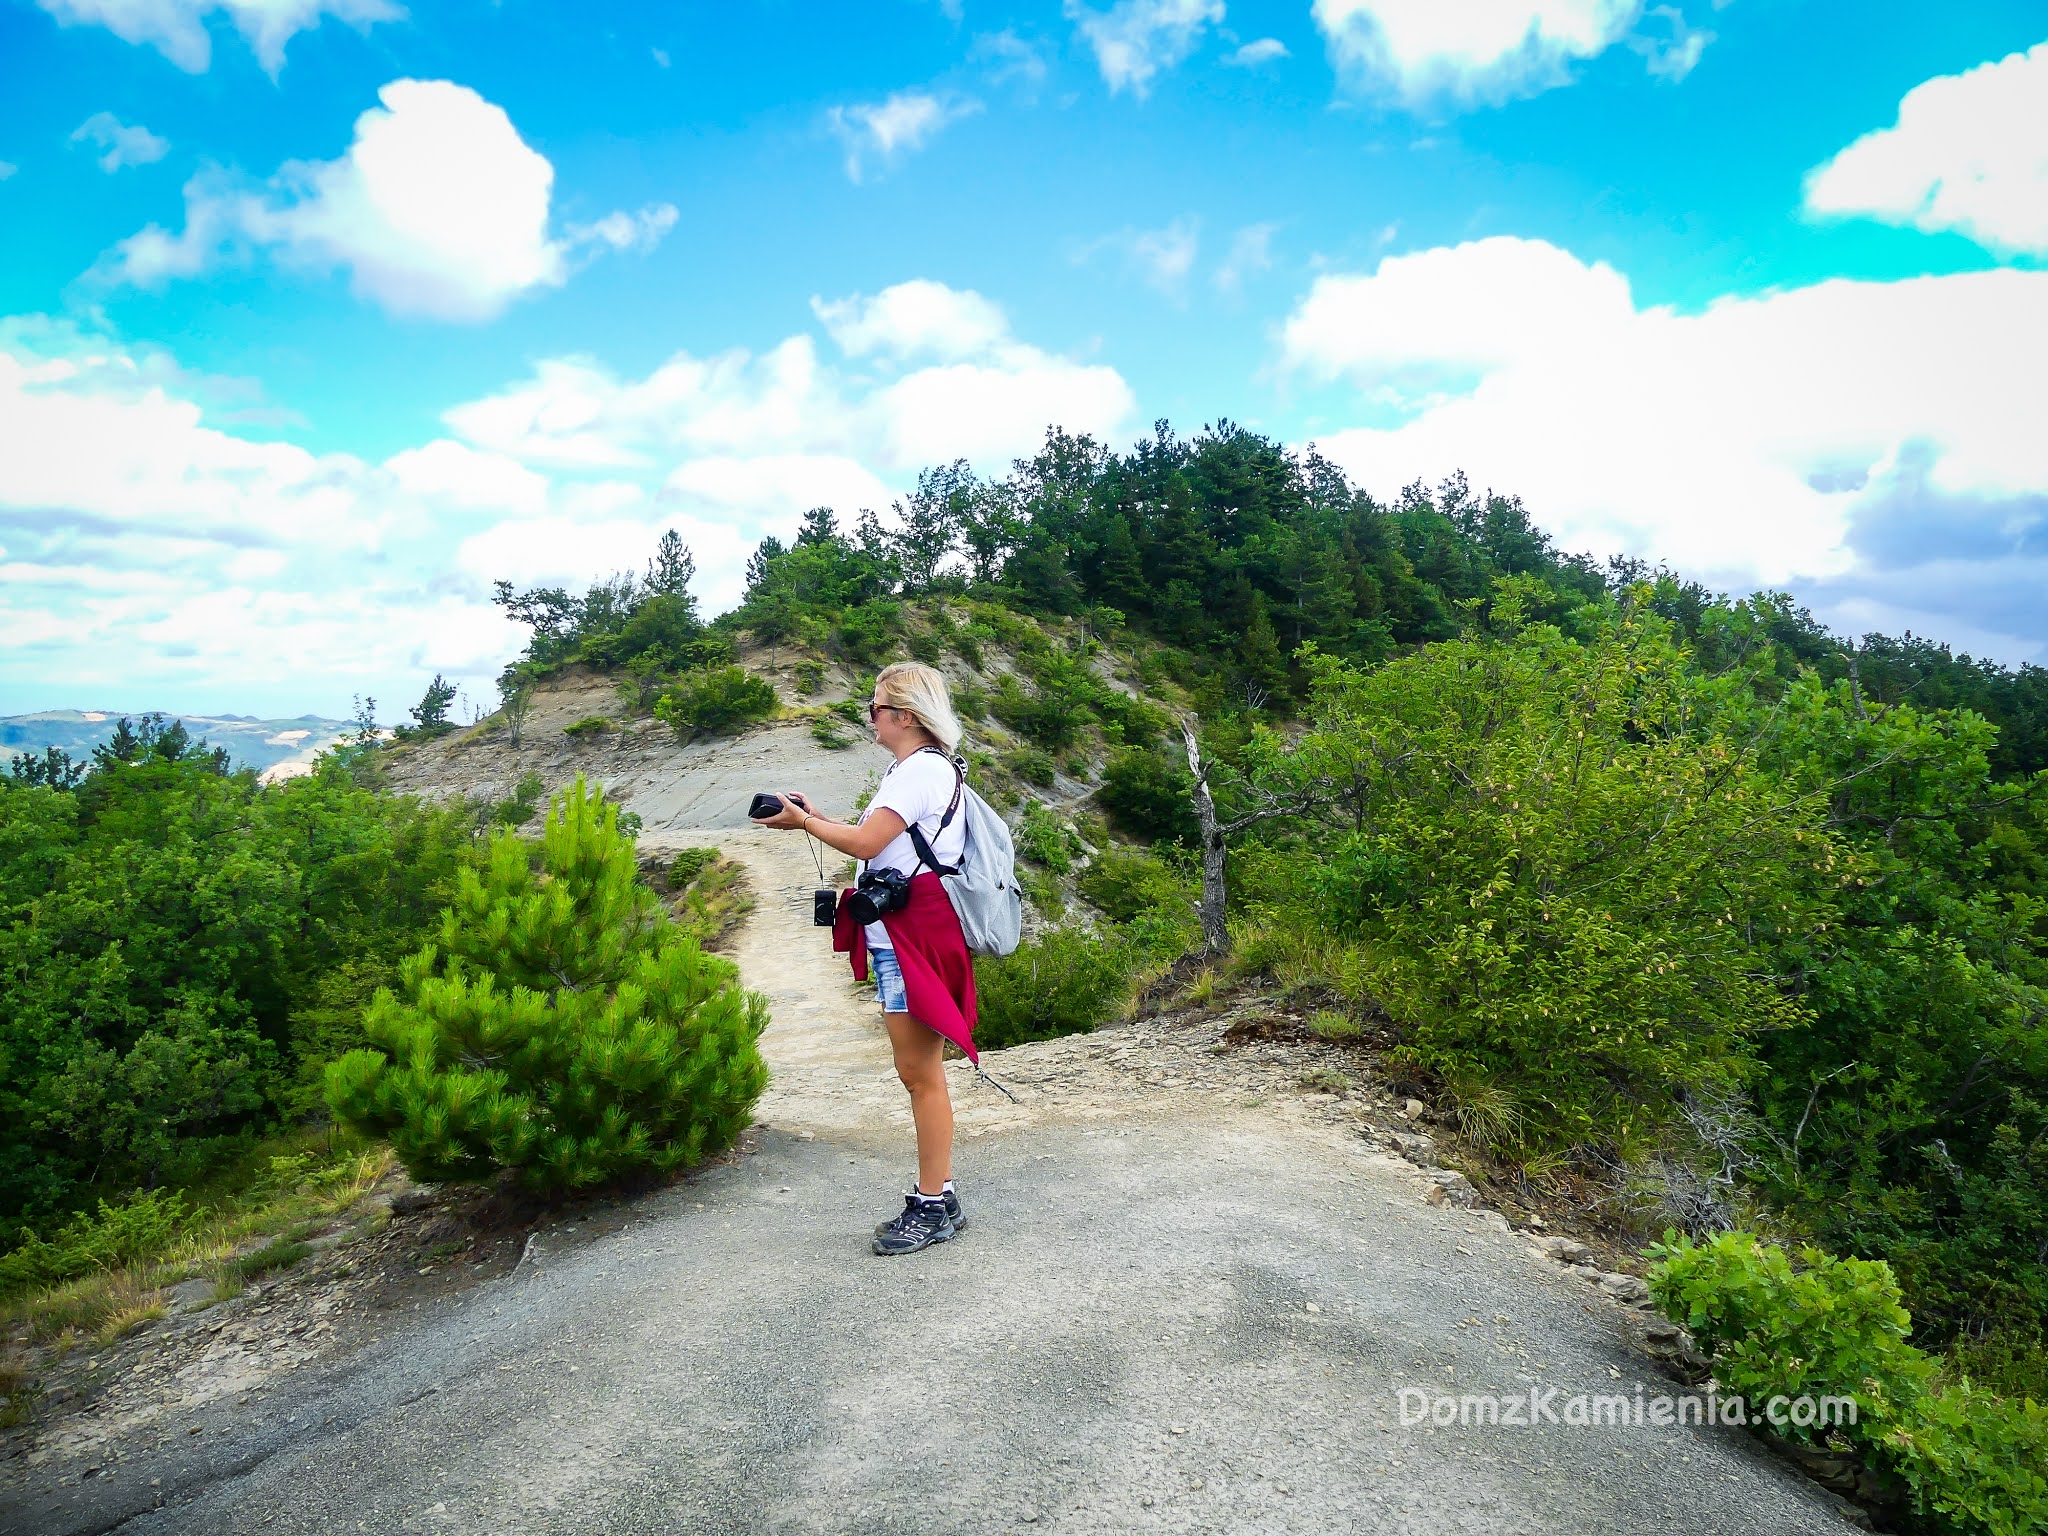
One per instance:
(983, 885)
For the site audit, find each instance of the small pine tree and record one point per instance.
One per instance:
(561, 1027)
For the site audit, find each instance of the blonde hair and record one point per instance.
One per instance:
(921, 690)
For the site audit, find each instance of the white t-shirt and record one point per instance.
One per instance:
(919, 788)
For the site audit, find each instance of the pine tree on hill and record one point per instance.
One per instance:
(561, 1027)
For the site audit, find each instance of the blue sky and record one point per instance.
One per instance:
(320, 314)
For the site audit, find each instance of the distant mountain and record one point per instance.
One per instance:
(260, 744)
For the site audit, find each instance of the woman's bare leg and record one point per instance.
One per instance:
(921, 1063)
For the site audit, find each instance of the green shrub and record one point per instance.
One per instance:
(1064, 982)
(138, 1228)
(688, 864)
(970, 701)
(561, 1026)
(1048, 715)
(1041, 888)
(865, 635)
(1123, 882)
(1045, 840)
(589, 725)
(1971, 1464)
(523, 804)
(1129, 721)
(1030, 765)
(1149, 795)
(809, 676)
(278, 1253)
(715, 702)
(827, 732)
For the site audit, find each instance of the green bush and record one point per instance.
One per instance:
(1055, 709)
(181, 951)
(1971, 1464)
(809, 676)
(715, 702)
(137, 1228)
(865, 635)
(970, 701)
(589, 725)
(1064, 982)
(1123, 882)
(1148, 794)
(1574, 926)
(523, 804)
(1045, 840)
(561, 1026)
(688, 864)
(1030, 765)
(827, 732)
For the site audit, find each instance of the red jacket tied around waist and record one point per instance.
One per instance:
(938, 973)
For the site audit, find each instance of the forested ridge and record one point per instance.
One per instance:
(1669, 890)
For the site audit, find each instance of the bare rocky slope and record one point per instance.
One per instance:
(1201, 1272)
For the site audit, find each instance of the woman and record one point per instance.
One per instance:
(924, 977)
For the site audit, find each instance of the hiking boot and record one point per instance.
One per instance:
(952, 1209)
(922, 1223)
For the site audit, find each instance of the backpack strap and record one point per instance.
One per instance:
(917, 840)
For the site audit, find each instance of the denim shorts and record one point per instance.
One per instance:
(889, 981)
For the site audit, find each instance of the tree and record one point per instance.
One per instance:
(933, 518)
(673, 568)
(515, 696)
(761, 560)
(55, 769)
(990, 525)
(1215, 831)
(821, 526)
(562, 1027)
(431, 713)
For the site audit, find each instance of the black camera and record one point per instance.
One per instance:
(766, 805)
(876, 892)
(824, 906)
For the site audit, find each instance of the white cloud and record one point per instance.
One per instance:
(954, 382)
(88, 431)
(124, 145)
(1766, 439)
(457, 475)
(916, 318)
(1251, 252)
(1480, 51)
(1259, 51)
(1162, 258)
(1135, 40)
(438, 208)
(177, 28)
(641, 231)
(884, 130)
(1673, 53)
(149, 548)
(1969, 153)
(7, 169)
(1009, 57)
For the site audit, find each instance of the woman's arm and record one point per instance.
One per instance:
(864, 841)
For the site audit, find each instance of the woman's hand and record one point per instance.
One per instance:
(794, 809)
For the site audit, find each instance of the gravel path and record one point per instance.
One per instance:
(1189, 1300)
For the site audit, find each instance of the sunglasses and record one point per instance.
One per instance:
(875, 709)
